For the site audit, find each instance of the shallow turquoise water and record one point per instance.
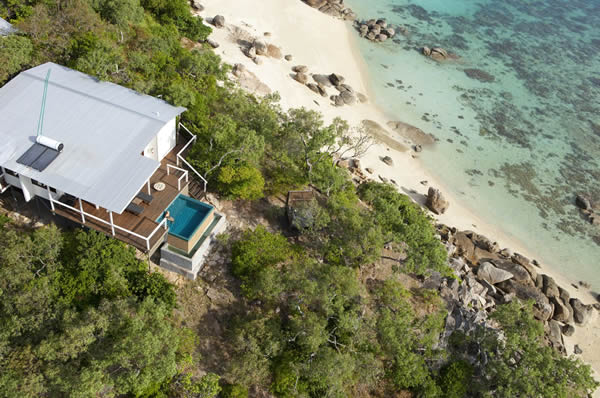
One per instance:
(520, 136)
(187, 214)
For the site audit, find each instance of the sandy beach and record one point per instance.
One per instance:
(327, 45)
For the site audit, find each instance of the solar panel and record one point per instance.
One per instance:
(45, 159)
(38, 157)
(31, 154)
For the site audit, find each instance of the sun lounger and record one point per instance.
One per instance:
(135, 209)
(146, 198)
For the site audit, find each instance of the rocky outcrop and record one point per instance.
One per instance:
(491, 274)
(387, 160)
(581, 312)
(336, 79)
(436, 202)
(238, 70)
(561, 311)
(260, 47)
(301, 78)
(219, 21)
(196, 5)
(334, 8)
(542, 309)
(586, 207)
(300, 69)
(549, 287)
(346, 95)
(212, 43)
(438, 54)
(520, 274)
(274, 52)
(375, 30)
(483, 284)
(583, 202)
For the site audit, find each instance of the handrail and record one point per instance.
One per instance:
(181, 158)
(169, 166)
(184, 171)
(195, 171)
(146, 239)
(194, 138)
(166, 226)
(179, 180)
(186, 129)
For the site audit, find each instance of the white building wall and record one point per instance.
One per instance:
(151, 150)
(166, 139)
(30, 190)
(12, 180)
(163, 143)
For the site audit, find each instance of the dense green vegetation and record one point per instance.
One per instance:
(81, 316)
(78, 317)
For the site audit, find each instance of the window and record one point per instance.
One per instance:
(11, 173)
(39, 184)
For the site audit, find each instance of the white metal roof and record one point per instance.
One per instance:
(6, 28)
(104, 128)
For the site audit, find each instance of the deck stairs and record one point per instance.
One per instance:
(196, 189)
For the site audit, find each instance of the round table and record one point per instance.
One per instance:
(160, 186)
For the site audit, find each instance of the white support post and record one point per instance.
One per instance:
(148, 244)
(112, 223)
(50, 198)
(149, 190)
(81, 209)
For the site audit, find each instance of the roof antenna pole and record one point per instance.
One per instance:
(40, 127)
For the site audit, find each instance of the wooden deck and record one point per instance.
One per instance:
(143, 224)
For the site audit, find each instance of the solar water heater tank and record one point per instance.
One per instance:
(50, 143)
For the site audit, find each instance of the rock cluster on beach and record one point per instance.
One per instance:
(346, 94)
(492, 276)
(436, 202)
(335, 8)
(260, 48)
(375, 30)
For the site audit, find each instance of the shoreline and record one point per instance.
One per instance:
(328, 45)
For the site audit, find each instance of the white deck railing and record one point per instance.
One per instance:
(180, 157)
(184, 175)
(111, 224)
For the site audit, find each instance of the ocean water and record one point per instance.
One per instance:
(516, 118)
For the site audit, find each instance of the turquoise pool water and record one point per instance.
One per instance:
(516, 119)
(188, 214)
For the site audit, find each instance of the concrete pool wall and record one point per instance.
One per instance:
(172, 259)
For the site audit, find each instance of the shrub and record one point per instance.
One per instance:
(241, 182)
(234, 391)
(455, 378)
(405, 222)
(15, 52)
(144, 284)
